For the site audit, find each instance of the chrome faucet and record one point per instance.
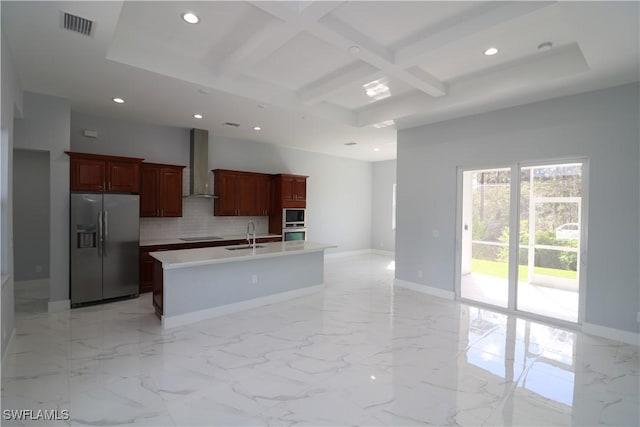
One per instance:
(251, 226)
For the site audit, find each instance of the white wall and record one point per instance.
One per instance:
(154, 143)
(45, 126)
(383, 236)
(601, 125)
(338, 189)
(12, 105)
(31, 214)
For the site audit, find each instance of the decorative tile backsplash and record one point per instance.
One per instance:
(198, 220)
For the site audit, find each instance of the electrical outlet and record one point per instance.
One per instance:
(381, 244)
(419, 273)
(38, 269)
(254, 279)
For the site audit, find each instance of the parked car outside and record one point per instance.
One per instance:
(568, 231)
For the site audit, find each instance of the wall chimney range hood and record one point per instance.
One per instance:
(200, 182)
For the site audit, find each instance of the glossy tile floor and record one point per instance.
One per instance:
(357, 353)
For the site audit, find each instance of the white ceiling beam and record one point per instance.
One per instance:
(272, 36)
(468, 24)
(526, 77)
(356, 73)
(259, 46)
(343, 36)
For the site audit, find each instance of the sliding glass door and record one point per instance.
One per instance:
(539, 271)
(485, 236)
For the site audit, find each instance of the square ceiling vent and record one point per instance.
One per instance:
(77, 24)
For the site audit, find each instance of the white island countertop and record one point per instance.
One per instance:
(185, 258)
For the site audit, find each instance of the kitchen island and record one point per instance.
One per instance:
(196, 284)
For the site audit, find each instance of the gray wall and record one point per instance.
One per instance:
(383, 236)
(159, 144)
(339, 190)
(601, 125)
(45, 126)
(12, 105)
(31, 210)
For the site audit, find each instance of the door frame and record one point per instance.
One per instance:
(514, 238)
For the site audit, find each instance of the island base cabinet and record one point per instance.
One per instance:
(158, 285)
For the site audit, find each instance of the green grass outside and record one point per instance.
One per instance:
(501, 269)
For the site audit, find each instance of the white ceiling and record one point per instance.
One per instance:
(293, 67)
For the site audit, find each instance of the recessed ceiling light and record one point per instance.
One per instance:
(190, 18)
(491, 51)
(384, 124)
(118, 100)
(354, 50)
(545, 46)
(377, 89)
(198, 116)
(257, 128)
(376, 149)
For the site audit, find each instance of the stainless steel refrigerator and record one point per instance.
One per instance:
(104, 247)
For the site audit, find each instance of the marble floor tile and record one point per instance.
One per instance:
(360, 352)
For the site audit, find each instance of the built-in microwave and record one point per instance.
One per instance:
(293, 218)
(289, 234)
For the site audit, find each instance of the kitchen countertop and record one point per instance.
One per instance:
(184, 258)
(179, 241)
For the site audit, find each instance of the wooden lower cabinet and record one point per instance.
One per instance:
(148, 264)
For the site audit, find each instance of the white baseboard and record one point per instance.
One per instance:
(8, 348)
(613, 334)
(334, 255)
(381, 252)
(197, 316)
(62, 305)
(424, 289)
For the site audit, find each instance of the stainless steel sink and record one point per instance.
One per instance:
(235, 248)
(200, 239)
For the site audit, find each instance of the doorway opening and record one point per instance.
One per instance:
(31, 230)
(537, 269)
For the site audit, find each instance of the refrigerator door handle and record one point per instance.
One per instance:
(106, 232)
(100, 236)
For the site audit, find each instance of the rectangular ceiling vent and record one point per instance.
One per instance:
(231, 124)
(77, 24)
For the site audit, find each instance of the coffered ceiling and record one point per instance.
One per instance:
(315, 75)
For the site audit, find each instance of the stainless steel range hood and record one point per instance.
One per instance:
(200, 182)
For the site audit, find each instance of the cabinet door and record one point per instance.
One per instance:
(123, 177)
(149, 190)
(145, 282)
(263, 195)
(288, 190)
(300, 189)
(88, 175)
(225, 189)
(170, 192)
(246, 189)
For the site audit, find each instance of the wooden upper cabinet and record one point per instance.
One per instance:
(123, 177)
(171, 191)
(291, 191)
(149, 190)
(224, 186)
(88, 175)
(94, 172)
(160, 190)
(241, 193)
